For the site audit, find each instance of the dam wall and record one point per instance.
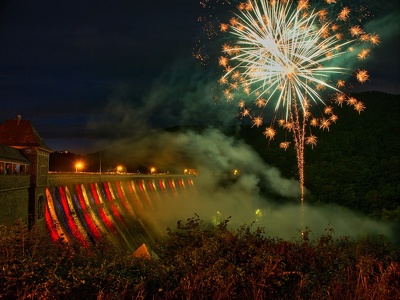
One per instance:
(119, 209)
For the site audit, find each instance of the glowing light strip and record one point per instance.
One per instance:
(74, 230)
(103, 215)
(111, 197)
(161, 183)
(88, 217)
(55, 221)
(124, 198)
(98, 223)
(146, 197)
(78, 230)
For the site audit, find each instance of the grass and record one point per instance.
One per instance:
(200, 261)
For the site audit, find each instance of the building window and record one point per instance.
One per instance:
(23, 169)
(16, 169)
(8, 168)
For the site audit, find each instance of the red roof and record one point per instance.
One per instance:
(20, 133)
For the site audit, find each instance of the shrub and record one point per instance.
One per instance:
(201, 261)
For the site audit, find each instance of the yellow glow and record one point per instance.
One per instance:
(362, 76)
(78, 165)
(289, 71)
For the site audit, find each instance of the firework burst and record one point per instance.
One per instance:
(287, 56)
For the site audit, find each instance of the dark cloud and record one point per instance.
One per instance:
(62, 61)
(94, 69)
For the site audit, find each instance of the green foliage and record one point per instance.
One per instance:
(201, 261)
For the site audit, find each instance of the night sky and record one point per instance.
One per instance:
(89, 72)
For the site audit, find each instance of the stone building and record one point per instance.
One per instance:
(24, 166)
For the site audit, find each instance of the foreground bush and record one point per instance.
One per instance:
(199, 261)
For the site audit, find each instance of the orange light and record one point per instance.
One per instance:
(78, 166)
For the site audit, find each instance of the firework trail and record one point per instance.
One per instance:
(292, 58)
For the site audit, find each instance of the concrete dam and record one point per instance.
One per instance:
(117, 209)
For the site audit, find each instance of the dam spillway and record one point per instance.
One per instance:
(120, 210)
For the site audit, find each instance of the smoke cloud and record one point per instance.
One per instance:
(218, 196)
(184, 96)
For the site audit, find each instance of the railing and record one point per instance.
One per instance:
(59, 179)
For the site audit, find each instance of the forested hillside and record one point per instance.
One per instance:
(356, 164)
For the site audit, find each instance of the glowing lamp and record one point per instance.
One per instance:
(78, 166)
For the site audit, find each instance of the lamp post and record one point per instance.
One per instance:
(100, 165)
(78, 165)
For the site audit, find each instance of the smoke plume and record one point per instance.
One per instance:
(182, 97)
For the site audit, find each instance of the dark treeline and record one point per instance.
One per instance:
(356, 164)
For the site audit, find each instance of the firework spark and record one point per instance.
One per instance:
(290, 54)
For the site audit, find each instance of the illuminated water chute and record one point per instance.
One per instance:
(110, 211)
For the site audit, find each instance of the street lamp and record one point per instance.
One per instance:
(78, 165)
(152, 170)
